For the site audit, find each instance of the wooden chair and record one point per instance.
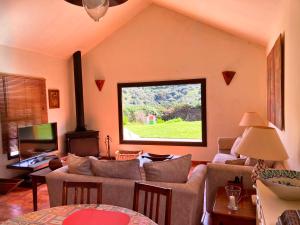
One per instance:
(82, 186)
(153, 190)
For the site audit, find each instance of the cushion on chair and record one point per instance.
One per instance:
(222, 158)
(253, 162)
(240, 162)
(79, 165)
(125, 169)
(172, 171)
(235, 146)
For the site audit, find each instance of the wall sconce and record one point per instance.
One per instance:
(228, 76)
(100, 84)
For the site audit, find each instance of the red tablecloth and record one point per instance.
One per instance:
(96, 217)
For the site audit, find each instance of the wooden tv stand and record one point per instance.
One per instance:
(32, 164)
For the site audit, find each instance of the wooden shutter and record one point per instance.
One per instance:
(22, 103)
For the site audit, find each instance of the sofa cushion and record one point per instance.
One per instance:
(125, 169)
(222, 158)
(171, 171)
(235, 146)
(79, 165)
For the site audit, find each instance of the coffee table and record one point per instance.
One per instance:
(245, 215)
(37, 178)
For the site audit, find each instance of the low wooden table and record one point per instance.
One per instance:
(37, 178)
(245, 215)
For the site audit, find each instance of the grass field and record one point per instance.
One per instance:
(180, 130)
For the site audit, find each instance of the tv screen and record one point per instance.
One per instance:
(37, 139)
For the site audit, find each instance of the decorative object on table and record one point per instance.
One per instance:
(99, 84)
(234, 193)
(284, 183)
(262, 143)
(96, 8)
(55, 163)
(289, 217)
(246, 214)
(228, 76)
(156, 157)
(7, 185)
(238, 181)
(107, 141)
(275, 86)
(127, 154)
(53, 96)
(94, 216)
(252, 119)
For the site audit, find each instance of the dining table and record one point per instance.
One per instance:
(63, 215)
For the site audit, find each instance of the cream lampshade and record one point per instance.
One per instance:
(252, 119)
(262, 143)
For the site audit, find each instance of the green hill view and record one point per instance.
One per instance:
(169, 111)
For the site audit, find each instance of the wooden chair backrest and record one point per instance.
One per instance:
(167, 192)
(81, 186)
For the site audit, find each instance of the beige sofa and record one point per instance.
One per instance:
(218, 173)
(187, 199)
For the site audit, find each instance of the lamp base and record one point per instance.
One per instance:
(260, 166)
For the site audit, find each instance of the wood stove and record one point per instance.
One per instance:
(81, 142)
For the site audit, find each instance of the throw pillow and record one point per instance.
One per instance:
(235, 146)
(79, 165)
(125, 169)
(236, 162)
(172, 171)
(252, 162)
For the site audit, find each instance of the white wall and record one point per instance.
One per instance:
(291, 27)
(159, 44)
(57, 75)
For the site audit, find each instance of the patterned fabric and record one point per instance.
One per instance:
(56, 215)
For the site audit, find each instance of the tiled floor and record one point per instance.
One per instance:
(19, 202)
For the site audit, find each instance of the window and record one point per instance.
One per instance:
(22, 103)
(163, 112)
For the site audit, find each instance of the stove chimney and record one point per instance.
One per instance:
(80, 126)
(81, 142)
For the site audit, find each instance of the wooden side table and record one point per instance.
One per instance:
(37, 178)
(245, 215)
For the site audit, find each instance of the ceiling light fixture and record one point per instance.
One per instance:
(96, 9)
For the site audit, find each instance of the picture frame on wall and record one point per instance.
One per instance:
(53, 96)
(275, 85)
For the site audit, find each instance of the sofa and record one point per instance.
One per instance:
(219, 172)
(187, 198)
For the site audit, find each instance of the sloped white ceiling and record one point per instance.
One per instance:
(254, 20)
(57, 28)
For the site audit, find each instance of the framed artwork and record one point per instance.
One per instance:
(275, 87)
(53, 95)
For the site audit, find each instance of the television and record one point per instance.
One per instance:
(36, 140)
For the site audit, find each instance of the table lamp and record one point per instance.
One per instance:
(252, 119)
(262, 143)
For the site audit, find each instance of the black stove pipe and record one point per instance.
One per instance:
(80, 126)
